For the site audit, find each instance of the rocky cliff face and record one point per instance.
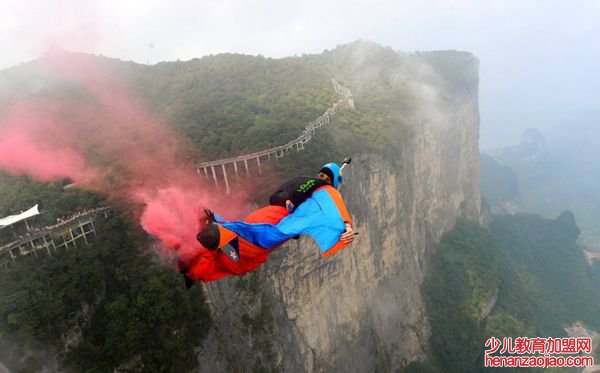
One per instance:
(360, 310)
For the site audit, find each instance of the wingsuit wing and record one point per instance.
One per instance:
(322, 216)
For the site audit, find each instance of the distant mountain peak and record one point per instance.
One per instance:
(531, 148)
(533, 138)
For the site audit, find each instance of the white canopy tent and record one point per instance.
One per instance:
(10, 220)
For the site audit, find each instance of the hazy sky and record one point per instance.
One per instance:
(540, 60)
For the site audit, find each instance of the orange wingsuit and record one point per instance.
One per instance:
(213, 265)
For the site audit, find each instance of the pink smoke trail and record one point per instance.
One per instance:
(20, 156)
(103, 139)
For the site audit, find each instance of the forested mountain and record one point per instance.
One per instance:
(525, 276)
(556, 170)
(97, 307)
(113, 305)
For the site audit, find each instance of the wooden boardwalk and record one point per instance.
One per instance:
(219, 169)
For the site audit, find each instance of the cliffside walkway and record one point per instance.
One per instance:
(65, 233)
(219, 169)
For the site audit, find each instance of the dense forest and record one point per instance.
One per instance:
(111, 302)
(530, 265)
(231, 104)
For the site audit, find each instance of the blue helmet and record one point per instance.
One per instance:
(333, 171)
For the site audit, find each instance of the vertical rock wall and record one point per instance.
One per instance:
(360, 310)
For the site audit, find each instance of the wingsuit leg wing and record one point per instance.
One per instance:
(211, 265)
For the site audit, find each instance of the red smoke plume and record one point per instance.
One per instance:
(19, 155)
(103, 139)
